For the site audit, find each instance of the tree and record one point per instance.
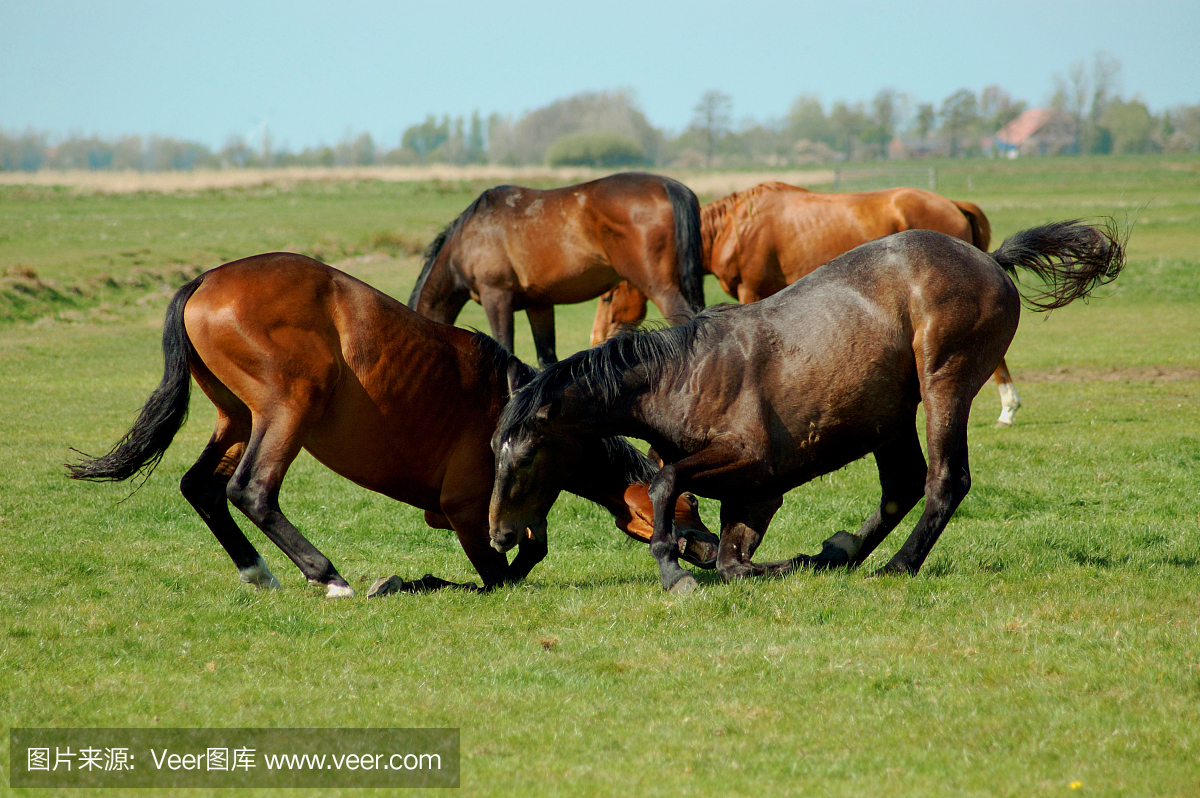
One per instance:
(880, 131)
(997, 109)
(848, 122)
(1073, 93)
(960, 112)
(926, 117)
(807, 121)
(476, 146)
(614, 112)
(713, 115)
(1129, 124)
(427, 136)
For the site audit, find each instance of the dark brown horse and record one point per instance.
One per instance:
(519, 248)
(767, 237)
(746, 402)
(295, 354)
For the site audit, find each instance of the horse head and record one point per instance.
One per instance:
(532, 463)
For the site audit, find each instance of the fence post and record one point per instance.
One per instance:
(837, 178)
(932, 179)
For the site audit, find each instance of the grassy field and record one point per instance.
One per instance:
(1051, 645)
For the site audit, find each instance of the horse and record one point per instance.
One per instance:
(517, 248)
(745, 402)
(296, 354)
(760, 240)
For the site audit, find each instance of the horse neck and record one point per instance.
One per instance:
(442, 294)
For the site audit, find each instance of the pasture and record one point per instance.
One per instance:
(1050, 646)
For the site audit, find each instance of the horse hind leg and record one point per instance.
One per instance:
(948, 479)
(204, 487)
(254, 489)
(1010, 400)
(902, 474)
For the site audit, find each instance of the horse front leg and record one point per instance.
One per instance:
(541, 322)
(664, 545)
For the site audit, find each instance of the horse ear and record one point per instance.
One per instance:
(549, 412)
(518, 375)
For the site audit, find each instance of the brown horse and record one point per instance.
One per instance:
(519, 248)
(760, 240)
(295, 354)
(746, 402)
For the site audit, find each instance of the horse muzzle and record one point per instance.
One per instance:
(505, 536)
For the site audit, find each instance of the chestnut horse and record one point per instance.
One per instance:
(767, 237)
(746, 402)
(519, 248)
(295, 354)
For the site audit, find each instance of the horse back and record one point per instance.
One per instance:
(378, 393)
(818, 374)
(565, 244)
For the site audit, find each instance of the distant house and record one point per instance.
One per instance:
(1038, 131)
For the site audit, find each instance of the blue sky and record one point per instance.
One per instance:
(314, 71)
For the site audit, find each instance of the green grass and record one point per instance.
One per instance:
(1053, 636)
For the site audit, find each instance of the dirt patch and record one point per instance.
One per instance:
(1135, 374)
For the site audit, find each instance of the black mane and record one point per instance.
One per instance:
(600, 371)
(439, 242)
(501, 359)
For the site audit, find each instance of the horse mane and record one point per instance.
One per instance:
(715, 215)
(439, 242)
(600, 371)
(500, 358)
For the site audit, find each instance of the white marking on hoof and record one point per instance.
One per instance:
(1010, 403)
(339, 591)
(259, 575)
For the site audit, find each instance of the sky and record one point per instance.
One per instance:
(312, 72)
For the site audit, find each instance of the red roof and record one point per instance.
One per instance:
(1024, 126)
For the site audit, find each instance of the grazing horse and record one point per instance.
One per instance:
(746, 402)
(295, 354)
(519, 248)
(767, 237)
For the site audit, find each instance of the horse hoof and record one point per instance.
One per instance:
(700, 549)
(1002, 424)
(339, 591)
(385, 585)
(259, 575)
(683, 585)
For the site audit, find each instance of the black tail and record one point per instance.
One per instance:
(163, 414)
(1072, 258)
(689, 247)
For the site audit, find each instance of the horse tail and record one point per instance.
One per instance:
(689, 247)
(164, 412)
(1071, 258)
(981, 228)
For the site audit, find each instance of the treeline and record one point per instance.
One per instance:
(608, 129)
